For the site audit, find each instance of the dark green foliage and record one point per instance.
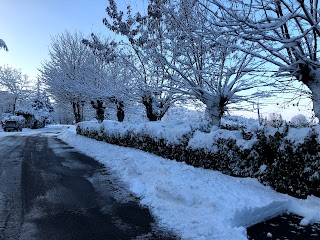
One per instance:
(296, 169)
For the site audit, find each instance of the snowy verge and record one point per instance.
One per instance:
(273, 209)
(193, 202)
(266, 153)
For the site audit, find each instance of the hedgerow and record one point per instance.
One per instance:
(285, 158)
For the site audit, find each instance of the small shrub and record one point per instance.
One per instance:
(274, 120)
(299, 120)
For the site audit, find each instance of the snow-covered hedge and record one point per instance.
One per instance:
(288, 159)
(167, 139)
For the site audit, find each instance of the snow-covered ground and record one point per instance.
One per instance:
(194, 203)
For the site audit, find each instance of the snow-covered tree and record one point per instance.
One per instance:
(148, 80)
(202, 68)
(3, 45)
(5, 102)
(36, 109)
(41, 105)
(286, 34)
(62, 113)
(68, 74)
(113, 81)
(15, 83)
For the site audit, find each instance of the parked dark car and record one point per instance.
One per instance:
(11, 125)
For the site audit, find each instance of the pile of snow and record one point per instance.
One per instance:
(309, 209)
(194, 203)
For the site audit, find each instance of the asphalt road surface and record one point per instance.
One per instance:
(49, 191)
(284, 227)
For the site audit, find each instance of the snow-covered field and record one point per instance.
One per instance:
(194, 203)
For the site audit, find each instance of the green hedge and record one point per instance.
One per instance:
(275, 160)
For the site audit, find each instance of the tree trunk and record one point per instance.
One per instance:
(314, 87)
(212, 116)
(76, 111)
(155, 111)
(98, 106)
(14, 106)
(149, 110)
(120, 108)
(120, 111)
(311, 78)
(215, 110)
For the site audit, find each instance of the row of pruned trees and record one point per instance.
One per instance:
(221, 53)
(75, 75)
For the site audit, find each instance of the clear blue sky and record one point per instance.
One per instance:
(27, 26)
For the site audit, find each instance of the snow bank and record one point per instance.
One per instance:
(309, 209)
(195, 203)
(253, 215)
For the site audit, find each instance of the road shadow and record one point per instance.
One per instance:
(68, 195)
(285, 226)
